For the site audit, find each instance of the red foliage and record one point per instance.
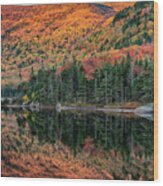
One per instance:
(90, 65)
(136, 52)
(62, 68)
(89, 146)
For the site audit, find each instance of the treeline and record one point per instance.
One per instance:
(125, 81)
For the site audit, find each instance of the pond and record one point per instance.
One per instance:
(106, 145)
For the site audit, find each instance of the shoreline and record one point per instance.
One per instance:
(144, 111)
(147, 108)
(82, 108)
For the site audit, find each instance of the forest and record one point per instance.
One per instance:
(109, 63)
(78, 90)
(125, 81)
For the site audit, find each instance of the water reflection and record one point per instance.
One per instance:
(73, 144)
(126, 134)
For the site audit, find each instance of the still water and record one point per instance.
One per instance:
(125, 136)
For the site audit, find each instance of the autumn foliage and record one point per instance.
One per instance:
(47, 35)
(24, 156)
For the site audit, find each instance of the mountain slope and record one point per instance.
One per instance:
(32, 35)
(51, 36)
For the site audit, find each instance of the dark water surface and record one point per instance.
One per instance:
(125, 133)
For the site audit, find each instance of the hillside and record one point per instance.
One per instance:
(75, 78)
(81, 43)
(44, 33)
(118, 6)
(35, 34)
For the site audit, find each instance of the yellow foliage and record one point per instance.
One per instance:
(150, 32)
(25, 99)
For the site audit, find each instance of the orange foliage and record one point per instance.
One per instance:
(24, 156)
(118, 6)
(49, 34)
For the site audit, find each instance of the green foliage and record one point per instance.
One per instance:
(134, 22)
(123, 132)
(110, 84)
(122, 82)
(121, 15)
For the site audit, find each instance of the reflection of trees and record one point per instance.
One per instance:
(130, 136)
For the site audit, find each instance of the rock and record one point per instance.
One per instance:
(149, 108)
(145, 111)
(58, 107)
